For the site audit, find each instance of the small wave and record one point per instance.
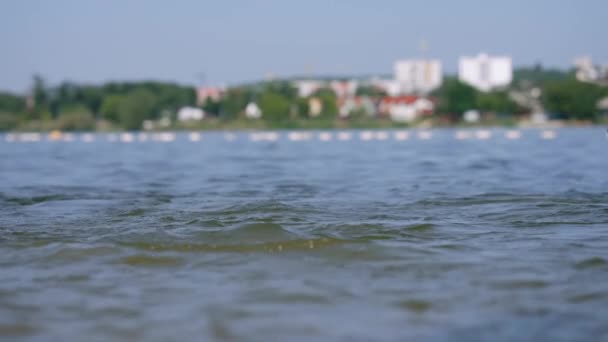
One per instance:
(150, 260)
(268, 247)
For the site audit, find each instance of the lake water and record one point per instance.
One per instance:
(350, 236)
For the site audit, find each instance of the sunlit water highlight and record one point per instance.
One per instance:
(448, 235)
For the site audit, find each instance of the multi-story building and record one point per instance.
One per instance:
(418, 76)
(586, 71)
(485, 72)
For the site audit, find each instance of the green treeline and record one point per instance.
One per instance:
(126, 105)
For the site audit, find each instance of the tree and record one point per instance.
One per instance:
(11, 103)
(455, 97)
(275, 107)
(75, 118)
(136, 107)
(211, 106)
(573, 99)
(329, 102)
(8, 120)
(496, 101)
(370, 91)
(110, 108)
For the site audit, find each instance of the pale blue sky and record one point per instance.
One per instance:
(233, 41)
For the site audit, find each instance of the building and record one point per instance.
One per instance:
(418, 76)
(344, 88)
(252, 111)
(390, 87)
(307, 87)
(213, 93)
(315, 107)
(356, 104)
(406, 108)
(485, 72)
(586, 71)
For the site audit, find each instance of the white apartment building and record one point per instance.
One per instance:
(418, 76)
(485, 72)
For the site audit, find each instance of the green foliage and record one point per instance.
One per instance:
(455, 97)
(211, 106)
(136, 107)
(302, 107)
(8, 120)
(573, 99)
(76, 118)
(234, 102)
(283, 88)
(370, 91)
(274, 106)
(497, 102)
(537, 75)
(110, 108)
(329, 102)
(11, 103)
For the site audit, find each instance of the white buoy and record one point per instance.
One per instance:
(229, 137)
(194, 136)
(462, 135)
(366, 135)
(29, 137)
(402, 135)
(381, 135)
(344, 136)
(299, 136)
(325, 136)
(483, 134)
(425, 135)
(548, 134)
(167, 137)
(126, 138)
(513, 134)
(87, 138)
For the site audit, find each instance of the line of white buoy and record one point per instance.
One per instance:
(325, 136)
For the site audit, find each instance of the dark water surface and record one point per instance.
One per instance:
(438, 239)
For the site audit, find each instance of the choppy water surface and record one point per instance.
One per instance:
(436, 238)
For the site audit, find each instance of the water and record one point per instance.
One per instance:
(430, 238)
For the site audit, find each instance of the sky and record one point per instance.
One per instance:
(232, 41)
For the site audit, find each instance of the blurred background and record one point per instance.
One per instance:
(113, 65)
(303, 170)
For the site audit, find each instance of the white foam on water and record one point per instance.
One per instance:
(402, 135)
(112, 137)
(344, 136)
(483, 134)
(548, 134)
(425, 135)
(462, 135)
(325, 136)
(194, 136)
(142, 137)
(512, 134)
(10, 137)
